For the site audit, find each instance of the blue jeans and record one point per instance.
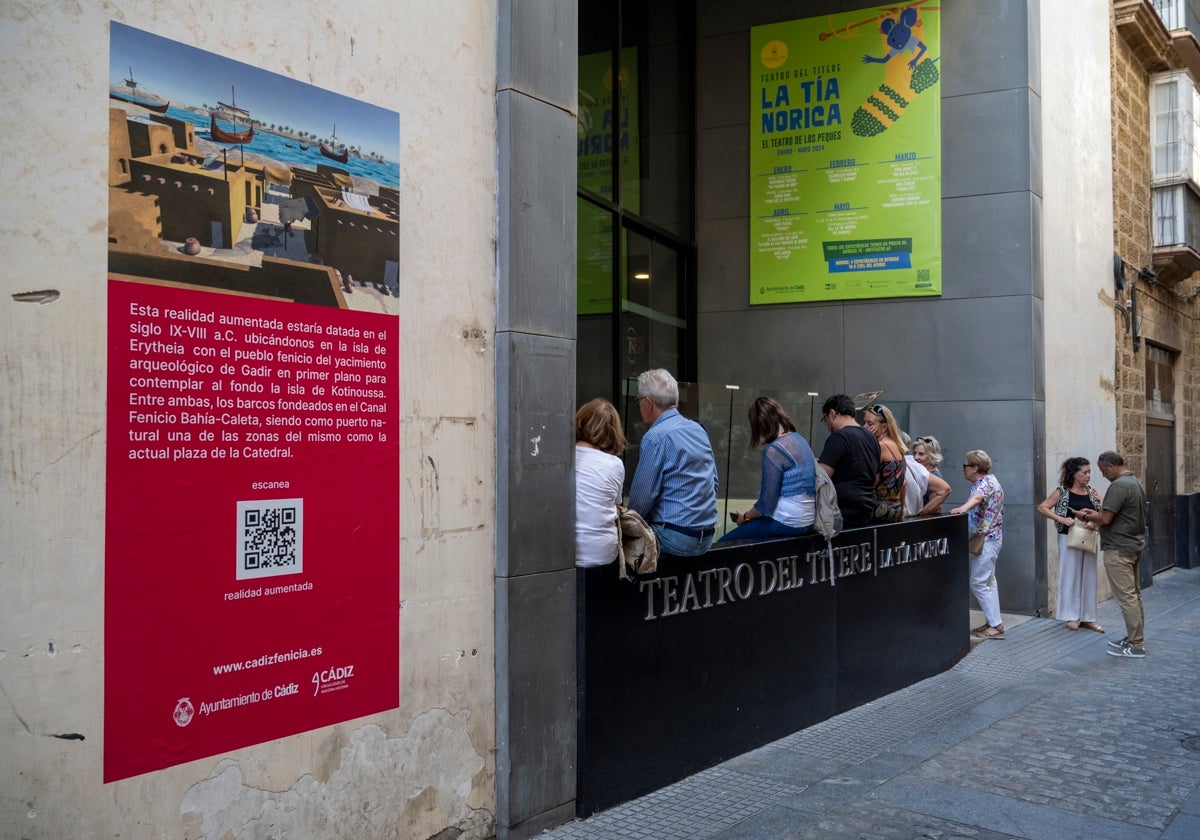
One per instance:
(681, 545)
(764, 528)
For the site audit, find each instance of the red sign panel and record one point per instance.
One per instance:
(252, 577)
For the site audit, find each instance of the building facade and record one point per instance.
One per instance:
(1066, 326)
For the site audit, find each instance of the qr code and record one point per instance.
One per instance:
(270, 538)
(922, 275)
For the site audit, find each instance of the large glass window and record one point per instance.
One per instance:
(636, 264)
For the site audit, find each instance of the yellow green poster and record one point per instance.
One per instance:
(845, 156)
(605, 122)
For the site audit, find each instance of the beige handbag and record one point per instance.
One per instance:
(1083, 538)
(975, 543)
(637, 551)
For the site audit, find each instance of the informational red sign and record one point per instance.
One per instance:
(252, 560)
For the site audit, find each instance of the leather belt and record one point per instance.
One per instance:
(695, 533)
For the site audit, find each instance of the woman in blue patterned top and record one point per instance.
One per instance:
(786, 504)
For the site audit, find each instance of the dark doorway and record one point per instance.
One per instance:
(1160, 493)
(1160, 457)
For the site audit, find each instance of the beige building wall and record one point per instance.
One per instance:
(1132, 237)
(412, 772)
(1076, 243)
(1167, 312)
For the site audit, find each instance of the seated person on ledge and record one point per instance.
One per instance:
(599, 479)
(675, 484)
(787, 501)
(851, 458)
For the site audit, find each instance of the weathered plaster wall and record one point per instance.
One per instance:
(409, 773)
(1077, 223)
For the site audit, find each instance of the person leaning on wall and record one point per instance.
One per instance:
(985, 524)
(924, 492)
(674, 487)
(599, 482)
(928, 453)
(890, 481)
(787, 496)
(851, 459)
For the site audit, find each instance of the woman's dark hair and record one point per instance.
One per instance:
(766, 416)
(1069, 468)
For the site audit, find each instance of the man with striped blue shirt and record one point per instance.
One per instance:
(675, 485)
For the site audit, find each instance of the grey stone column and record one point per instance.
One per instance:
(535, 387)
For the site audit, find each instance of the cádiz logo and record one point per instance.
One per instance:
(184, 710)
(331, 679)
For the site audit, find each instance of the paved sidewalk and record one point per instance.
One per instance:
(1040, 736)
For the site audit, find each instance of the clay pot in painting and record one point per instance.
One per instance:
(191, 246)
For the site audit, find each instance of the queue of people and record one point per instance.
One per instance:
(880, 475)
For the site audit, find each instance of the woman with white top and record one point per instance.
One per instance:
(599, 482)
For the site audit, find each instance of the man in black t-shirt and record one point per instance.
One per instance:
(851, 458)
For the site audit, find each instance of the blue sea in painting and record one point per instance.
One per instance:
(285, 150)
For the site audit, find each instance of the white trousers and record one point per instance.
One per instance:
(1076, 583)
(983, 580)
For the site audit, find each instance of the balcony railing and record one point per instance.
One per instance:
(1181, 18)
(1176, 232)
(1179, 14)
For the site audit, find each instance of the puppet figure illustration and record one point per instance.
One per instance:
(902, 81)
(900, 39)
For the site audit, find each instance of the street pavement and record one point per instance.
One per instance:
(1040, 735)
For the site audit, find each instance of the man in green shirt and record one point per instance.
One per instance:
(1122, 522)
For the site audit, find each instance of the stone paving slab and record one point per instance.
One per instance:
(883, 821)
(1042, 735)
(995, 812)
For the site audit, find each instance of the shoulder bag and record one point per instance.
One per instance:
(1083, 539)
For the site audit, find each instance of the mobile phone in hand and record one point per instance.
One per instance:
(733, 515)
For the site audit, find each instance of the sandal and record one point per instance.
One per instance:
(1072, 625)
(1091, 625)
(980, 628)
(991, 632)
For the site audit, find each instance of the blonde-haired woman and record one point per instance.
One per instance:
(889, 481)
(985, 509)
(599, 482)
(927, 452)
